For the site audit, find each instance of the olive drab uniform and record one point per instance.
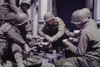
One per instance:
(56, 31)
(19, 11)
(16, 9)
(21, 17)
(12, 37)
(3, 39)
(9, 31)
(87, 53)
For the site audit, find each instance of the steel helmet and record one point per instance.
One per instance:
(25, 2)
(48, 16)
(87, 11)
(21, 18)
(78, 17)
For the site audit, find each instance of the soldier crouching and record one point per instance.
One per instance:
(87, 52)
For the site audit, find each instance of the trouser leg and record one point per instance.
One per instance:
(2, 49)
(65, 63)
(19, 59)
(17, 50)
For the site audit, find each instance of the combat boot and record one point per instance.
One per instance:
(19, 59)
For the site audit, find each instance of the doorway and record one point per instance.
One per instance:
(65, 8)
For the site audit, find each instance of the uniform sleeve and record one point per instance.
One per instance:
(61, 27)
(13, 6)
(68, 33)
(40, 31)
(12, 33)
(81, 48)
(83, 43)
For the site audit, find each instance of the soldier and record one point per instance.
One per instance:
(20, 19)
(89, 15)
(21, 24)
(87, 52)
(53, 29)
(9, 31)
(24, 6)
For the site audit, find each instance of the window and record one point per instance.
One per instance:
(44, 6)
(97, 11)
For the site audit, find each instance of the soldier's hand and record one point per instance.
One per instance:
(66, 42)
(76, 33)
(35, 37)
(27, 49)
(48, 38)
(51, 40)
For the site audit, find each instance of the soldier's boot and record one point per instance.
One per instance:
(19, 59)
